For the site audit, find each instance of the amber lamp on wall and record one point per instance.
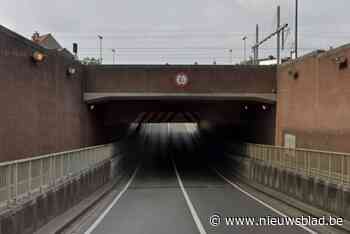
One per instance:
(38, 57)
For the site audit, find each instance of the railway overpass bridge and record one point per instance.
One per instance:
(180, 83)
(241, 96)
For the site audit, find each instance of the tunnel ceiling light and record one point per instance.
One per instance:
(38, 57)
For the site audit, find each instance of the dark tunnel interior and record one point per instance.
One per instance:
(192, 134)
(159, 146)
(241, 120)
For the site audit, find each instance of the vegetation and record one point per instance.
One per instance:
(90, 61)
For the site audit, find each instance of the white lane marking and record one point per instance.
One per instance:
(189, 203)
(259, 201)
(115, 200)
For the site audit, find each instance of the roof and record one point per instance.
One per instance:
(35, 46)
(42, 38)
(318, 54)
(47, 41)
(20, 38)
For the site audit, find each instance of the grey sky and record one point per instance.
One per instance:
(181, 31)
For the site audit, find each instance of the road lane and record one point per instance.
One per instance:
(115, 200)
(210, 194)
(189, 203)
(154, 202)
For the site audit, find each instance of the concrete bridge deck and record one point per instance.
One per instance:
(180, 82)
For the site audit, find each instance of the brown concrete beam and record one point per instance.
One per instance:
(163, 79)
(101, 97)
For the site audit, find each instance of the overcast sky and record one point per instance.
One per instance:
(181, 31)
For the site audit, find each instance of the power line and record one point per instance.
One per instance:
(182, 48)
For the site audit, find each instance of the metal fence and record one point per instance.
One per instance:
(330, 166)
(22, 178)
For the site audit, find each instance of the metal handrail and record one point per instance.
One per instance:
(330, 166)
(24, 177)
(49, 155)
(304, 149)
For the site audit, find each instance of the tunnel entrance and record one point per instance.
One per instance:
(245, 120)
(194, 147)
(165, 146)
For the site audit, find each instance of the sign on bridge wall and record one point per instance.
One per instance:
(181, 80)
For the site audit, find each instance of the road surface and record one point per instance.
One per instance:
(174, 191)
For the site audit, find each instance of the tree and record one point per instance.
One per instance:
(90, 61)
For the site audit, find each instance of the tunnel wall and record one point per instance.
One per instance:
(42, 109)
(255, 125)
(314, 107)
(259, 124)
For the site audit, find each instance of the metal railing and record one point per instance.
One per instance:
(330, 166)
(22, 178)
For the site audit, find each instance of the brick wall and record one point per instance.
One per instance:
(41, 108)
(315, 107)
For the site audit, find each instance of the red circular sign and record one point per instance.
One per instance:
(181, 79)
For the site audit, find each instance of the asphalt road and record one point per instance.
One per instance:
(174, 191)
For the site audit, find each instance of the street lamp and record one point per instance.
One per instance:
(245, 47)
(113, 51)
(100, 37)
(296, 28)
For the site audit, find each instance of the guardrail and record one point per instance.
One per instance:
(330, 166)
(21, 178)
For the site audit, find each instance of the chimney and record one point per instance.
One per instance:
(35, 36)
